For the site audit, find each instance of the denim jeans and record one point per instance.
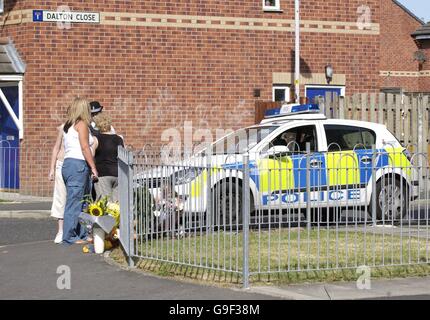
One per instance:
(76, 178)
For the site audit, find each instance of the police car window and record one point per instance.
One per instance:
(348, 137)
(242, 140)
(296, 138)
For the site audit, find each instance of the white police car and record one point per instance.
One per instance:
(298, 157)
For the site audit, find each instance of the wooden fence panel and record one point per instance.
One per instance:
(373, 107)
(398, 122)
(407, 117)
(413, 139)
(425, 108)
(341, 108)
(390, 112)
(364, 106)
(261, 107)
(329, 104)
(406, 120)
(381, 108)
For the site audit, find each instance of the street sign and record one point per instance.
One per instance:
(65, 16)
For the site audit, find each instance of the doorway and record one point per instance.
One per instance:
(10, 132)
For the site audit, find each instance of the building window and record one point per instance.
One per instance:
(271, 5)
(281, 93)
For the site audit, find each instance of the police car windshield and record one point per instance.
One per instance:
(242, 140)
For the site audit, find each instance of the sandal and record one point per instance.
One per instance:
(81, 242)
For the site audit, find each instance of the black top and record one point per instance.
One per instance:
(107, 154)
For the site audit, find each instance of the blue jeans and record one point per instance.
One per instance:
(76, 175)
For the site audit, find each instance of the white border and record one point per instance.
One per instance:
(276, 7)
(281, 86)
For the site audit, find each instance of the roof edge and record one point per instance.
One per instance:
(12, 53)
(409, 12)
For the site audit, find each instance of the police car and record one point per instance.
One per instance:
(297, 157)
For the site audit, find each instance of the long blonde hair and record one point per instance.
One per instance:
(79, 110)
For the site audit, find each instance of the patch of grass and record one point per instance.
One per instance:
(283, 256)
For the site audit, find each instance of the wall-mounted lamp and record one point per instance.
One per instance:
(329, 73)
(420, 56)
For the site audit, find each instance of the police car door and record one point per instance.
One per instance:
(284, 166)
(349, 163)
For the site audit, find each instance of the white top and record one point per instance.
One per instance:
(72, 146)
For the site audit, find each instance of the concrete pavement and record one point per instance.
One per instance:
(29, 261)
(385, 289)
(29, 271)
(25, 209)
(26, 206)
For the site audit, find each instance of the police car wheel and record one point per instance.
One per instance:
(391, 199)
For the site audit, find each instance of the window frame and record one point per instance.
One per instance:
(282, 87)
(349, 126)
(276, 7)
(265, 145)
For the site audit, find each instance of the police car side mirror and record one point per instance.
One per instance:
(276, 151)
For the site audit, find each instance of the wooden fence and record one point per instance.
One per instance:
(406, 116)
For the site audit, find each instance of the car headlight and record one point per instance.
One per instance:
(186, 175)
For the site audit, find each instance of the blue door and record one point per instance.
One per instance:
(313, 92)
(9, 141)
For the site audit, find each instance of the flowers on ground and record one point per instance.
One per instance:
(113, 210)
(102, 207)
(95, 210)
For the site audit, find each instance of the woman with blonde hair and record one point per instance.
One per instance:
(77, 165)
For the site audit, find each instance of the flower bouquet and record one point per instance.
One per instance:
(100, 217)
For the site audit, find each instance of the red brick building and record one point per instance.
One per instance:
(155, 65)
(400, 68)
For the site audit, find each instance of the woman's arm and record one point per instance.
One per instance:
(94, 146)
(55, 152)
(84, 133)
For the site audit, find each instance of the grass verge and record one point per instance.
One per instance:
(285, 256)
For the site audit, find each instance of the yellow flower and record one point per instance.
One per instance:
(113, 210)
(95, 210)
(113, 206)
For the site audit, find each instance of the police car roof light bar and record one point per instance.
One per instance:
(292, 109)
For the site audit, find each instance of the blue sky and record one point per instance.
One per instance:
(420, 8)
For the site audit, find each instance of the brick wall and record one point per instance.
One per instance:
(153, 78)
(425, 81)
(397, 46)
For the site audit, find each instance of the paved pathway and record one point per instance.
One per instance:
(29, 271)
(29, 261)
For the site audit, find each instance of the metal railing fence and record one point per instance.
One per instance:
(303, 211)
(24, 172)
